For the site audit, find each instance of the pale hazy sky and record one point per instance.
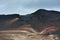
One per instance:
(27, 6)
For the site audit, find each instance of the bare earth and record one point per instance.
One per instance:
(25, 35)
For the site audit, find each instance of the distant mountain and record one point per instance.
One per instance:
(45, 17)
(39, 19)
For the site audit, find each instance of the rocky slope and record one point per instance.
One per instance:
(40, 25)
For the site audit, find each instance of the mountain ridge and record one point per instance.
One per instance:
(37, 20)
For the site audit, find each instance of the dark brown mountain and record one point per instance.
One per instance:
(39, 20)
(43, 17)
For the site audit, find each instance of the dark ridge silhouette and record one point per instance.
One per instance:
(7, 21)
(8, 17)
(38, 20)
(42, 17)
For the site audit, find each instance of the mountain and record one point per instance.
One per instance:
(38, 20)
(43, 17)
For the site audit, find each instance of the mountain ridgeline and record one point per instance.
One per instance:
(38, 19)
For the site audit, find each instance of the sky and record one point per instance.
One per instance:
(24, 7)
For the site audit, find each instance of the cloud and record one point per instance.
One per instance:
(2, 5)
(27, 6)
(44, 3)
